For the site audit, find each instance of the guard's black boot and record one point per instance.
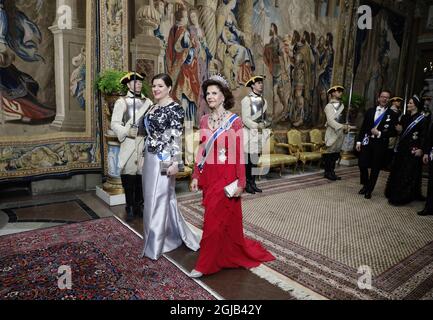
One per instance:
(256, 189)
(249, 188)
(333, 162)
(254, 186)
(128, 184)
(328, 167)
(138, 210)
(129, 214)
(330, 176)
(138, 197)
(334, 176)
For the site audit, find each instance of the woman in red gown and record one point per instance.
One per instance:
(223, 244)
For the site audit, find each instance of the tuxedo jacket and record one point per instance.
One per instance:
(386, 126)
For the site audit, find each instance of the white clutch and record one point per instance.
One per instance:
(231, 189)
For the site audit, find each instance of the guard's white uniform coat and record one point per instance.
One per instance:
(130, 149)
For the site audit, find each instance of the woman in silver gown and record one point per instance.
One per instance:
(164, 227)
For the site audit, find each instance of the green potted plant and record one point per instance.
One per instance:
(357, 106)
(108, 83)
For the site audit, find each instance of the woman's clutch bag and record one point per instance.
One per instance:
(163, 166)
(231, 188)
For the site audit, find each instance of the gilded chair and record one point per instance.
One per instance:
(190, 148)
(296, 146)
(316, 138)
(271, 159)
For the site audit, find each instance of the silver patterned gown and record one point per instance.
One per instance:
(164, 227)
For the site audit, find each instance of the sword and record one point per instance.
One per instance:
(352, 81)
(350, 98)
(135, 88)
(405, 99)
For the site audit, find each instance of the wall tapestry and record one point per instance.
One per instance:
(47, 110)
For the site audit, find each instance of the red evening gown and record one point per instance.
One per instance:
(223, 244)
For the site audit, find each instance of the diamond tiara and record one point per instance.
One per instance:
(219, 78)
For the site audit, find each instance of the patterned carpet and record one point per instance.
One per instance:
(105, 262)
(323, 232)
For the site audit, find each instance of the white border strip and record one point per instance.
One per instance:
(286, 284)
(199, 282)
(277, 279)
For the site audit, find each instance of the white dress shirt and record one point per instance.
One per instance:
(379, 111)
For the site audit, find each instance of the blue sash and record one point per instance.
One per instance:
(411, 126)
(408, 130)
(209, 145)
(366, 139)
(379, 120)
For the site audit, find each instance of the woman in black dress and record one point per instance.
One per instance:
(404, 182)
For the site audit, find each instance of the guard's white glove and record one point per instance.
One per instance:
(132, 132)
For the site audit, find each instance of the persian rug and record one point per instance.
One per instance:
(104, 259)
(328, 238)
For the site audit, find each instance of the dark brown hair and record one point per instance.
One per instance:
(229, 100)
(417, 102)
(385, 90)
(164, 77)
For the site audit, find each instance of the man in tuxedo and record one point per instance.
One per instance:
(372, 142)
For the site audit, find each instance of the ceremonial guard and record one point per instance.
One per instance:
(256, 134)
(124, 122)
(396, 104)
(335, 131)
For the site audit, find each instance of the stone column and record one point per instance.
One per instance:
(147, 50)
(68, 43)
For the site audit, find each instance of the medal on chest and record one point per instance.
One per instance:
(222, 157)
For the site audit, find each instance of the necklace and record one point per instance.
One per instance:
(216, 120)
(165, 103)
